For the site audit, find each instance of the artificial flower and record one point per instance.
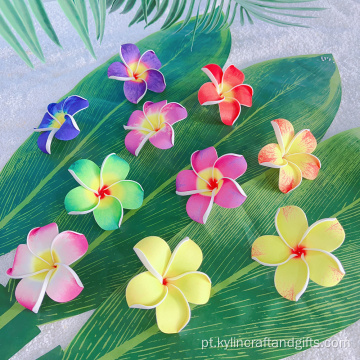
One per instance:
(59, 121)
(105, 192)
(170, 282)
(139, 73)
(212, 180)
(301, 252)
(43, 264)
(227, 90)
(292, 155)
(154, 123)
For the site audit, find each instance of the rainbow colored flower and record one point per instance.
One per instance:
(43, 264)
(59, 121)
(105, 192)
(140, 72)
(212, 180)
(292, 155)
(301, 252)
(154, 123)
(227, 90)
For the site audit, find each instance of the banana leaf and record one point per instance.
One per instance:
(244, 304)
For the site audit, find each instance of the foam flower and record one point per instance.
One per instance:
(43, 264)
(105, 192)
(212, 180)
(139, 72)
(59, 121)
(170, 282)
(154, 123)
(292, 155)
(226, 89)
(301, 252)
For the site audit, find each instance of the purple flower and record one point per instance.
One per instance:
(139, 72)
(59, 121)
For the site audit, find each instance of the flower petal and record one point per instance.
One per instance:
(64, 284)
(145, 291)
(68, 130)
(108, 214)
(129, 53)
(230, 195)
(152, 111)
(242, 93)
(44, 141)
(155, 254)
(291, 224)
(231, 165)
(208, 95)
(135, 140)
(198, 207)
(325, 234)
(68, 247)
(55, 108)
(203, 159)
(214, 72)
(80, 201)
(39, 240)
(163, 138)
(325, 268)
(129, 193)
(229, 111)
(284, 132)
(154, 79)
(113, 169)
(307, 163)
(173, 314)
(271, 156)
(194, 285)
(118, 71)
(73, 104)
(289, 177)
(138, 120)
(186, 257)
(150, 60)
(135, 90)
(303, 142)
(292, 278)
(186, 182)
(172, 113)
(232, 77)
(270, 250)
(86, 173)
(48, 121)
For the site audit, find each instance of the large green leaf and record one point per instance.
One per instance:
(244, 304)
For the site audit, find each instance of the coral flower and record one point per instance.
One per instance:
(170, 282)
(292, 155)
(301, 252)
(227, 90)
(140, 72)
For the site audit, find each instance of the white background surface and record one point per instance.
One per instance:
(25, 94)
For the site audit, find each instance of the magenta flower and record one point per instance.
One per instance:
(154, 123)
(140, 72)
(212, 180)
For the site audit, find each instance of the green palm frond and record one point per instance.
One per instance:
(17, 17)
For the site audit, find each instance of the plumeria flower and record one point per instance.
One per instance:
(59, 121)
(140, 73)
(292, 155)
(227, 90)
(43, 264)
(170, 282)
(154, 123)
(105, 192)
(301, 252)
(212, 180)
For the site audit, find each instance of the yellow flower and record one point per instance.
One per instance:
(301, 252)
(170, 283)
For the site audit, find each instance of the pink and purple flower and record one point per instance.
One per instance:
(59, 121)
(154, 123)
(139, 72)
(43, 265)
(212, 180)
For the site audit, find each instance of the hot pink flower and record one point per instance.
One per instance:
(212, 180)
(227, 90)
